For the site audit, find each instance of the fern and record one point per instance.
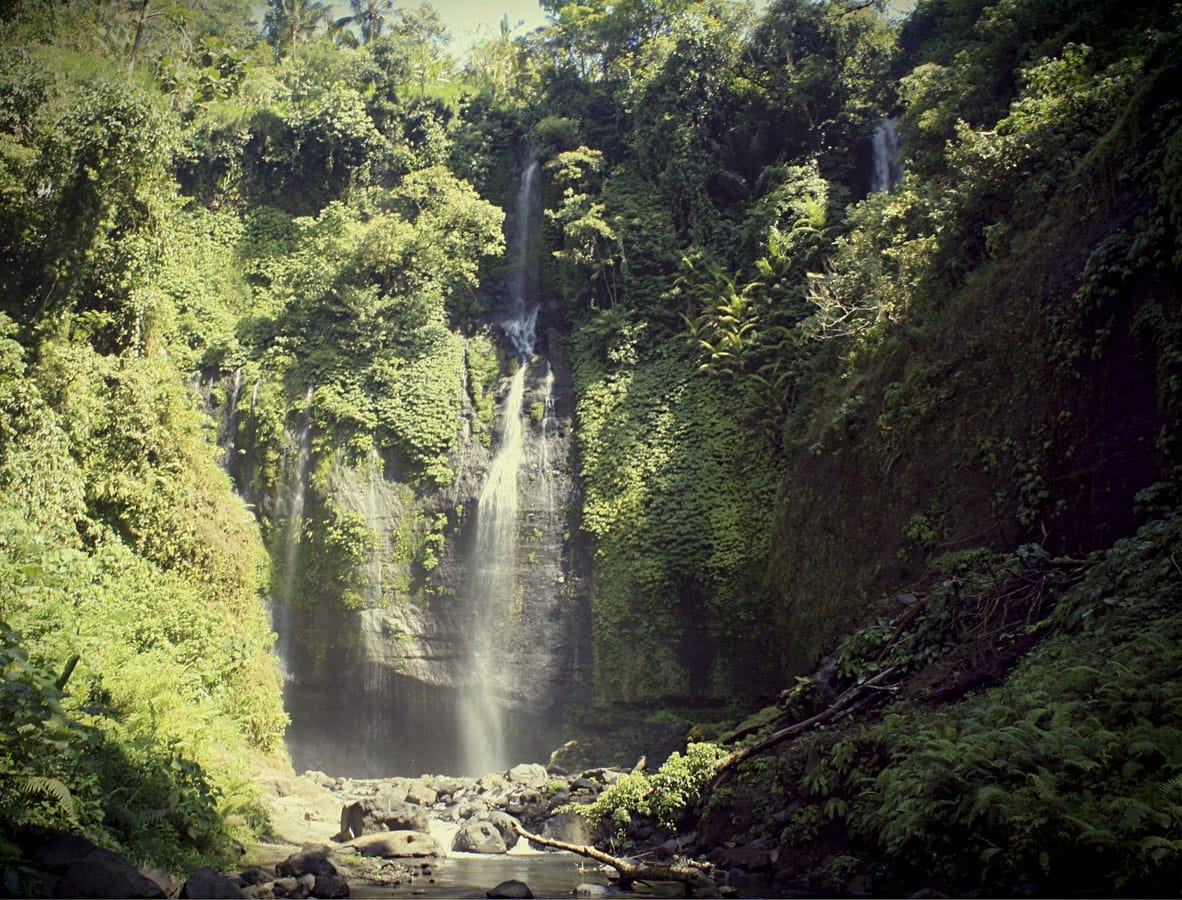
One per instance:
(33, 785)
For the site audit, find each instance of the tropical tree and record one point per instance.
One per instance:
(372, 16)
(426, 39)
(289, 23)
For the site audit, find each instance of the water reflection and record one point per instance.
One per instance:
(471, 875)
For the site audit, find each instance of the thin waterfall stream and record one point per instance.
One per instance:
(493, 569)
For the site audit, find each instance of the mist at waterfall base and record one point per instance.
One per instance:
(491, 658)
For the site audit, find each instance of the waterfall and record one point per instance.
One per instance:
(522, 322)
(492, 583)
(885, 146)
(492, 578)
(232, 420)
(544, 466)
(295, 500)
(280, 612)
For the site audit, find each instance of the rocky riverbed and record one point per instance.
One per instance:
(434, 835)
(396, 832)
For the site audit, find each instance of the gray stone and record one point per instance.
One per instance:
(491, 783)
(396, 844)
(256, 875)
(421, 794)
(210, 884)
(479, 837)
(310, 860)
(330, 887)
(506, 825)
(592, 890)
(381, 813)
(512, 890)
(529, 774)
(570, 827)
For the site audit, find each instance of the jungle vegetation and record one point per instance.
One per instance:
(798, 398)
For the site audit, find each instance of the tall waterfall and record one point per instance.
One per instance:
(492, 579)
(492, 583)
(886, 172)
(280, 607)
(522, 322)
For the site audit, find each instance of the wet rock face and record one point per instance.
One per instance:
(377, 691)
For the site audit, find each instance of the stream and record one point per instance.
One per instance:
(472, 875)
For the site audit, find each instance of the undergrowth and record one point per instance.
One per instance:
(1066, 778)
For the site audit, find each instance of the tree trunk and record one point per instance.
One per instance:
(693, 875)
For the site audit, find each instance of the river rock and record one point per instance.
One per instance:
(421, 794)
(570, 827)
(309, 861)
(381, 813)
(71, 866)
(330, 887)
(530, 774)
(396, 844)
(513, 890)
(473, 808)
(592, 890)
(506, 825)
(479, 837)
(209, 883)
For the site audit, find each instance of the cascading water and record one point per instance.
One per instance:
(465, 665)
(522, 322)
(232, 418)
(886, 172)
(280, 612)
(492, 583)
(545, 467)
(492, 579)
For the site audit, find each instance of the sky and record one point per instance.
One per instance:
(464, 18)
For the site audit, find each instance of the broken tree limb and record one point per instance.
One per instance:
(691, 874)
(845, 702)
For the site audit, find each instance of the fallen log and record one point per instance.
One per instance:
(845, 702)
(695, 876)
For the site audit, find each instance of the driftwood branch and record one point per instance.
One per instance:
(845, 702)
(693, 875)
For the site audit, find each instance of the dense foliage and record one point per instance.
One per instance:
(793, 393)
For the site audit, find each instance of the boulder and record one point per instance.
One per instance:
(421, 794)
(166, 881)
(473, 808)
(529, 774)
(309, 861)
(513, 890)
(479, 837)
(491, 783)
(72, 866)
(330, 887)
(592, 890)
(256, 875)
(208, 883)
(381, 813)
(396, 845)
(506, 825)
(570, 827)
